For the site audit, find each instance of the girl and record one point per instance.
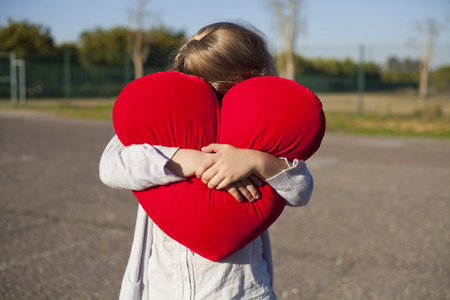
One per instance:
(223, 54)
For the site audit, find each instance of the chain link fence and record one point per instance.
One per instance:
(61, 75)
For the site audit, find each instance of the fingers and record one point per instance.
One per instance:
(214, 174)
(211, 161)
(208, 173)
(249, 190)
(235, 193)
(216, 180)
(255, 180)
(220, 181)
(227, 165)
(205, 166)
(244, 190)
(212, 148)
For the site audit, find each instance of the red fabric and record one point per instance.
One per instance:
(270, 114)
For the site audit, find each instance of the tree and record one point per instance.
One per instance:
(71, 46)
(164, 38)
(396, 70)
(349, 68)
(107, 47)
(103, 47)
(163, 41)
(327, 66)
(427, 34)
(441, 78)
(287, 14)
(302, 65)
(138, 44)
(23, 37)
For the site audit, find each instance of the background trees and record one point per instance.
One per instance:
(396, 70)
(108, 48)
(103, 47)
(98, 46)
(23, 37)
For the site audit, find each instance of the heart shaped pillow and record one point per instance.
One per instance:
(269, 114)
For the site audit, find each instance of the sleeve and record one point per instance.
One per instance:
(136, 167)
(295, 184)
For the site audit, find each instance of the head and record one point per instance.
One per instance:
(224, 54)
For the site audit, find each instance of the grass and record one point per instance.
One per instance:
(385, 114)
(394, 125)
(99, 111)
(93, 109)
(388, 114)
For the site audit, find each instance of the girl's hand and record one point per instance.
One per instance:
(227, 166)
(245, 189)
(230, 164)
(185, 162)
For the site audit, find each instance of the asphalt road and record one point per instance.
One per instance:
(377, 226)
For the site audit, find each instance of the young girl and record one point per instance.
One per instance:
(223, 54)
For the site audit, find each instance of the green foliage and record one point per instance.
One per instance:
(396, 70)
(23, 37)
(302, 65)
(163, 38)
(372, 71)
(163, 41)
(334, 68)
(72, 47)
(441, 78)
(326, 66)
(348, 68)
(103, 47)
(108, 47)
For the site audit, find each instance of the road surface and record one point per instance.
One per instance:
(377, 226)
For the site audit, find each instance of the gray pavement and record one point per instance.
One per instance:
(377, 226)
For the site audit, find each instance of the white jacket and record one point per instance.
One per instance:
(161, 268)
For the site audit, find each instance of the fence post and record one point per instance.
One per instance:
(67, 77)
(13, 80)
(361, 79)
(20, 63)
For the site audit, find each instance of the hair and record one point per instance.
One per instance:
(224, 54)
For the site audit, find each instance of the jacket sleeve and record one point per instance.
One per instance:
(295, 184)
(136, 167)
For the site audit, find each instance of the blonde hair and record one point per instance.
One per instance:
(224, 54)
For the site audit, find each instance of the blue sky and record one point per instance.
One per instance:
(333, 28)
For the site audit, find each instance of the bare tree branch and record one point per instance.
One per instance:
(427, 36)
(287, 14)
(138, 45)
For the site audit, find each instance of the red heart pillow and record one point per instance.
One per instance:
(270, 114)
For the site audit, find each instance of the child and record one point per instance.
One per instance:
(223, 54)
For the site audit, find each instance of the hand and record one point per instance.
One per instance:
(245, 189)
(185, 161)
(227, 166)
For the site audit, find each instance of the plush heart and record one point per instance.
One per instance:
(270, 114)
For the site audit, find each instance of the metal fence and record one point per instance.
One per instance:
(60, 75)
